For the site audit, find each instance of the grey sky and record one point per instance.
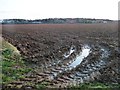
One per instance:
(37, 9)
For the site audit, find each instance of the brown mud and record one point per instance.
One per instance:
(67, 54)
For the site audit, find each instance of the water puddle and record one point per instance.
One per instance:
(92, 69)
(105, 53)
(85, 52)
(72, 50)
(84, 73)
(72, 63)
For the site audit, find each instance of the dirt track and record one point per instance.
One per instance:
(47, 47)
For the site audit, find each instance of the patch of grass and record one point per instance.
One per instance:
(13, 71)
(6, 45)
(40, 86)
(13, 67)
(96, 86)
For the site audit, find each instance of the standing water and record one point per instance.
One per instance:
(70, 52)
(85, 52)
(79, 58)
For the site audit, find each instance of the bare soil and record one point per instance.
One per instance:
(44, 47)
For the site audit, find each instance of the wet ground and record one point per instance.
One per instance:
(67, 54)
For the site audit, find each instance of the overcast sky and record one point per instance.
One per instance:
(39, 9)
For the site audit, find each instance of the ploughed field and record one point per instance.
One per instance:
(65, 54)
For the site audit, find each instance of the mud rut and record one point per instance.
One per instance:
(62, 73)
(74, 67)
(67, 58)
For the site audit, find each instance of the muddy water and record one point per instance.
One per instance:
(79, 58)
(88, 71)
(58, 69)
(72, 50)
(91, 70)
(71, 63)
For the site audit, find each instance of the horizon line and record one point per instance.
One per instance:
(61, 18)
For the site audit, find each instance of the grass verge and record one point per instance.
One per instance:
(13, 67)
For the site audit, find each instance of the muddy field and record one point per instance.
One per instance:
(65, 54)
